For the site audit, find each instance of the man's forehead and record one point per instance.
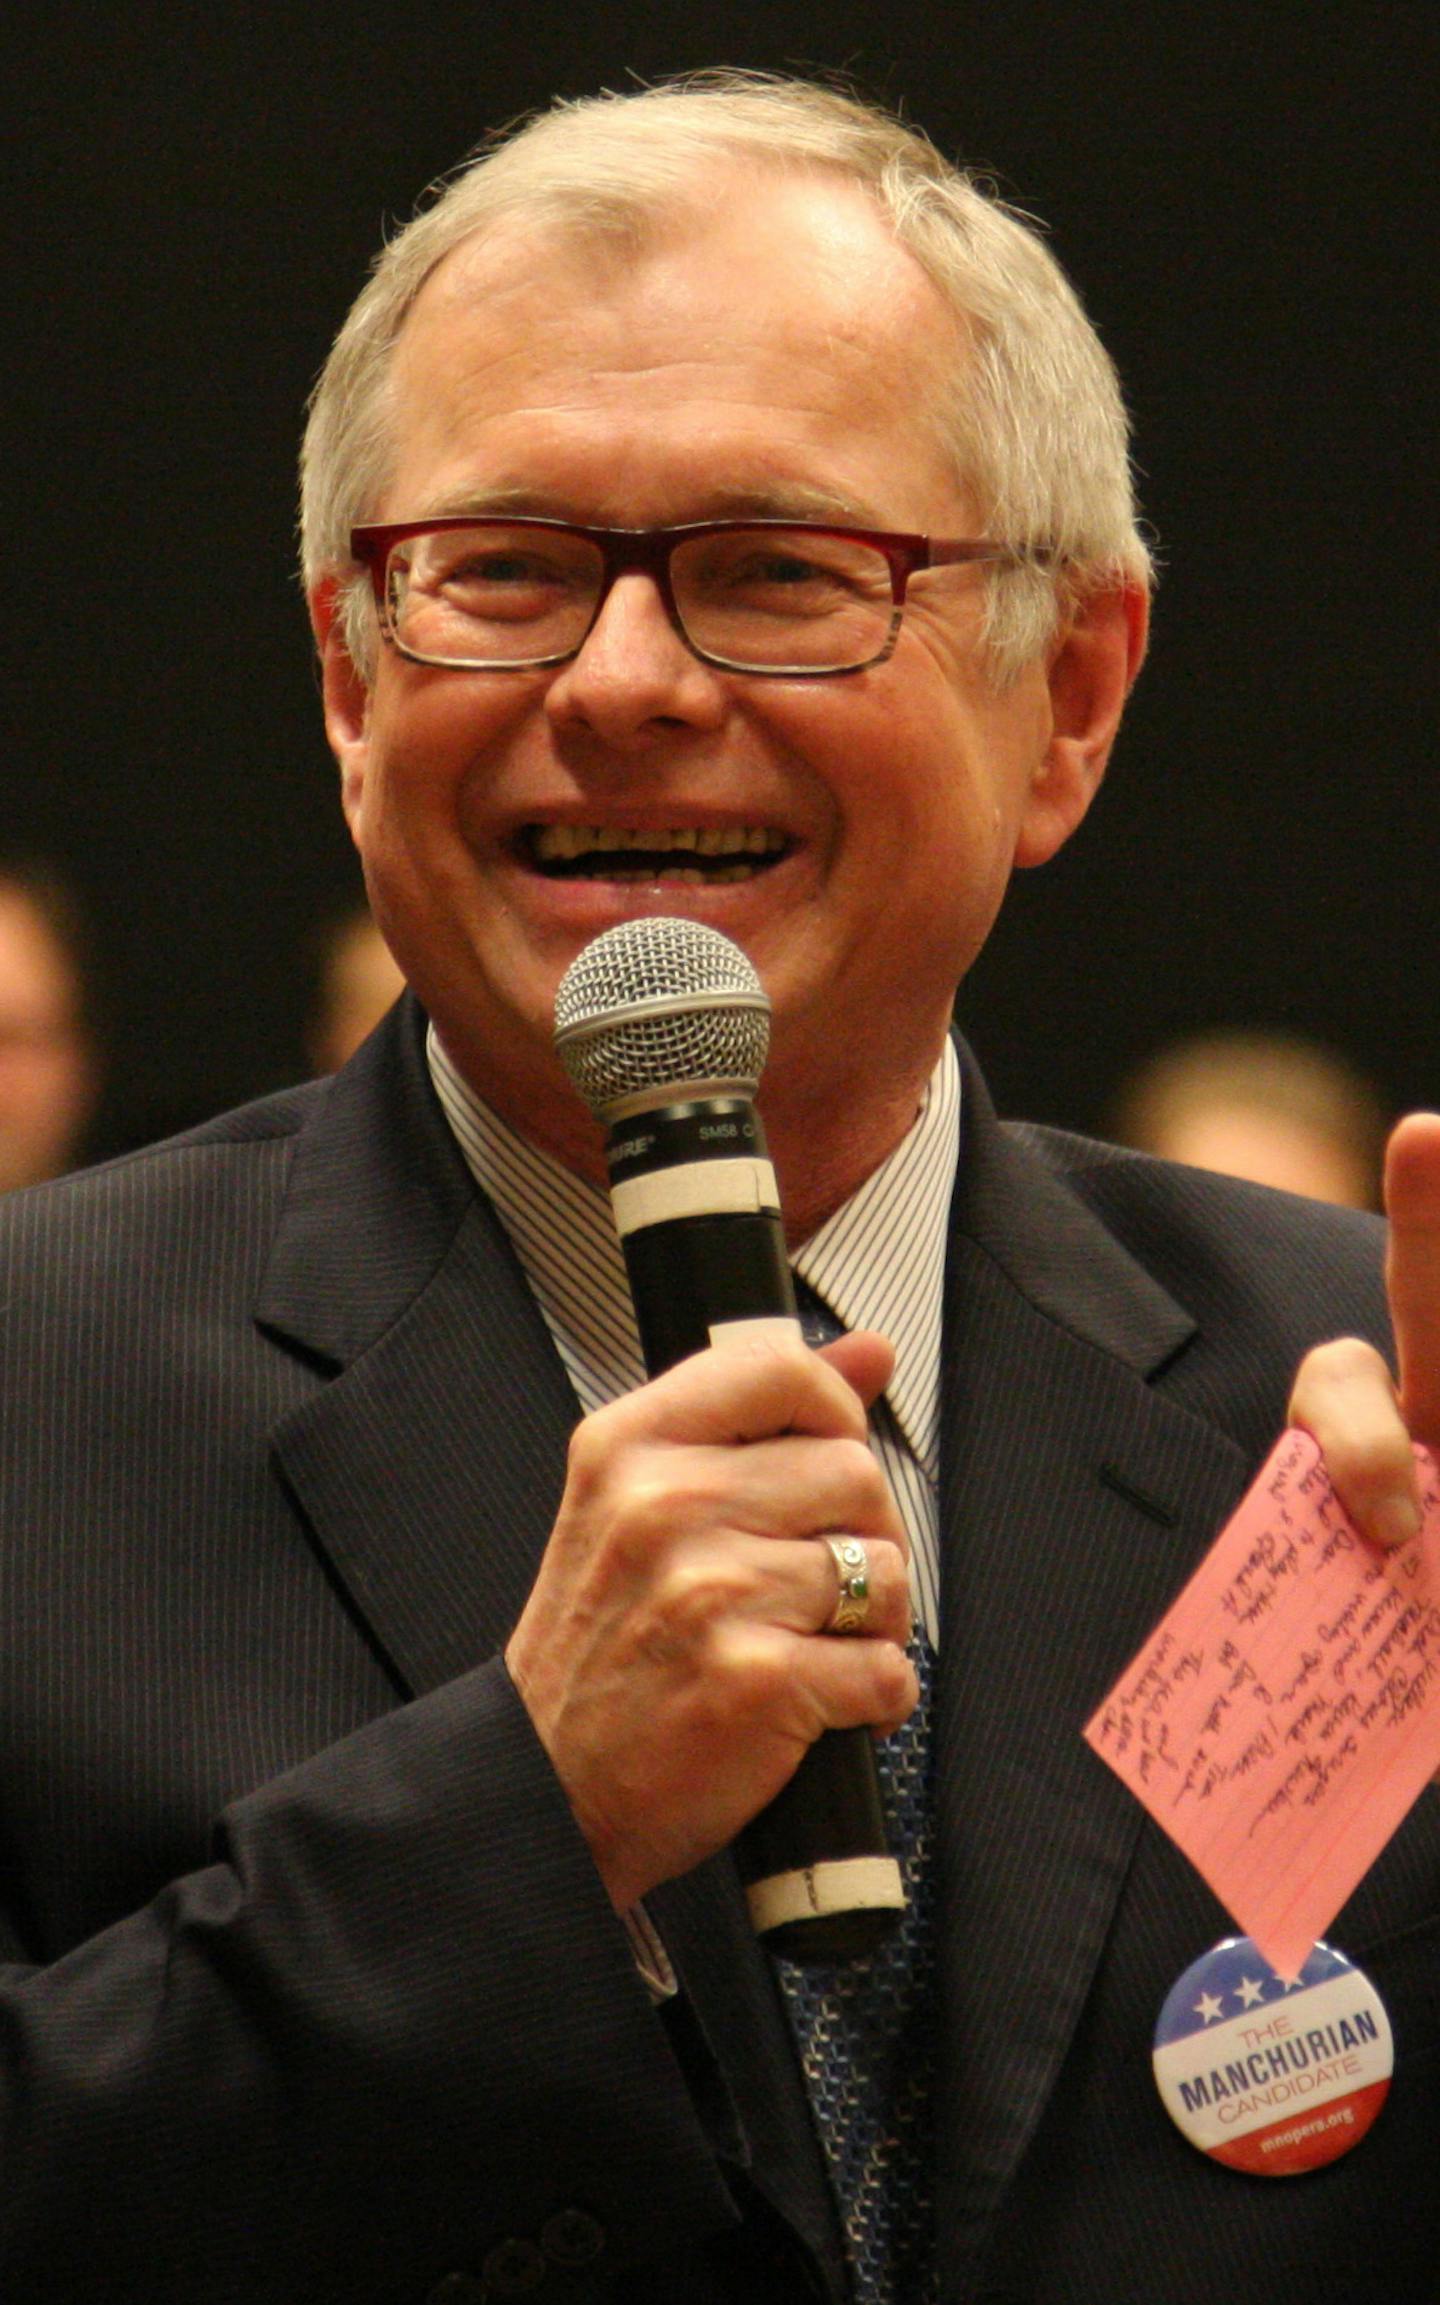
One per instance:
(776, 222)
(787, 337)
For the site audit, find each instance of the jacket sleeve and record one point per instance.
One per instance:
(392, 2029)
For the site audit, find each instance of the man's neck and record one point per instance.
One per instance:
(825, 1138)
(820, 1161)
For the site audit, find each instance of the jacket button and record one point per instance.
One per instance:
(573, 2237)
(512, 2269)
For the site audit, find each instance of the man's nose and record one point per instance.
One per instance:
(634, 673)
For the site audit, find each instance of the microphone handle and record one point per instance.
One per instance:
(819, 1878)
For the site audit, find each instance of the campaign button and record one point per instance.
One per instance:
(1268, 2074)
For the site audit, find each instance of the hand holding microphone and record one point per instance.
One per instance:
(668, 1653)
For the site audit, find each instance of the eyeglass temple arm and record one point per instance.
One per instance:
(948, 553)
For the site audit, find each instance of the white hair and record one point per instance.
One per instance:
(1033, 418)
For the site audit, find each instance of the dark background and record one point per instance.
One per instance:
(1243, 194)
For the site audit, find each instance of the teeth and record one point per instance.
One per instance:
(561, 843)
(683, 875)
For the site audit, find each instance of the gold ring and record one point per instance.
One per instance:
(852, 1602)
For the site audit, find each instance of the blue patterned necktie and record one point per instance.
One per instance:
(866, 2030)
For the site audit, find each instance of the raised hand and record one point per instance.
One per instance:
(1345, 1394)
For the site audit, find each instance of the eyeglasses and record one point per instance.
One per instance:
(788, 598)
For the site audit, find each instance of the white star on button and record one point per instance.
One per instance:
(1209, 2008)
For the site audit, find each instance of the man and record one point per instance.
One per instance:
(372, 1765)
(47, 1058)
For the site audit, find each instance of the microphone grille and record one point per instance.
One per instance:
(660, 1004)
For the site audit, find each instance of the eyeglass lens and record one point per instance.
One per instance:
(760, 598)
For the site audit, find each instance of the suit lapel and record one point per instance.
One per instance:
(1075, 1498)
(430, 1465)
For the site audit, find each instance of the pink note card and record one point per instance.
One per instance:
(1285, 1715)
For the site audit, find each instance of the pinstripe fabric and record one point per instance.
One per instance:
(301, 1961)
(101, 1593)
(280, 1433)
(877, 1263)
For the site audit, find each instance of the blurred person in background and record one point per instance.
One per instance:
(1270, 1106)
(358, 980)
(48, 1068)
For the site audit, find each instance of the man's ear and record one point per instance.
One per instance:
(346, 696)
(1090, 671)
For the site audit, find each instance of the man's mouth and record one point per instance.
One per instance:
(687, 854)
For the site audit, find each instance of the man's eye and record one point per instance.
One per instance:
(778, 576)
(779, 568)
(791, 566)
(503, 570)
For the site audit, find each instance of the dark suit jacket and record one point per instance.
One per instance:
(314, 1994)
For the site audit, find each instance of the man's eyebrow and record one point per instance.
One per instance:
(789, 500)
(767, 500)
(537, 503)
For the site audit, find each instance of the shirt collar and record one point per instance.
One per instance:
(878, 1262)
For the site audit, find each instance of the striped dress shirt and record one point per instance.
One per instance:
(878, 1263)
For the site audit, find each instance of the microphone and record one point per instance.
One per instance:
(663, 1027)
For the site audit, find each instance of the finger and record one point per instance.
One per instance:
(1345, 1396)
(798, 1485)
(787, 1582)
(864, 1359)
(1412, 1203)
(803, 1686)
(789, 1489)
(627, 1510)
(871, 1581)
(857, 1683)
(752, 1385)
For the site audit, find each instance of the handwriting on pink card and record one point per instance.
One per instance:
(1285, 1714)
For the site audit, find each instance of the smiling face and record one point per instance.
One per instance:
(777, 356)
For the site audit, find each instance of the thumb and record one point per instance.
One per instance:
(1412, 1203)
(865, 1359)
